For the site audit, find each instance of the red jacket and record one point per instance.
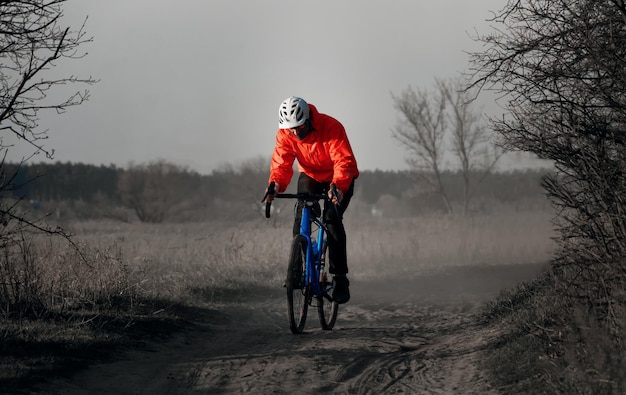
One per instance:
(324, 154)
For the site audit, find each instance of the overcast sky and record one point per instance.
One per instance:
(199, 82)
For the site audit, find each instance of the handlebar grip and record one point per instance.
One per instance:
(271, 190)
(333, 189)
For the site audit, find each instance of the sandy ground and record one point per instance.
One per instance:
(395, 336)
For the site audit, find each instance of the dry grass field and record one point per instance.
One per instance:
(127, 280)
(170, 260)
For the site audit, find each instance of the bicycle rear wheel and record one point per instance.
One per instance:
(327, 310)
(298, 293)
(326, 306)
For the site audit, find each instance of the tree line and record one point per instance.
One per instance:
(161, 191)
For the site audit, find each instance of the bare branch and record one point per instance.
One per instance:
(31, 41)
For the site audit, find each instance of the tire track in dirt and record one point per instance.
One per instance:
(418, 336)
(413, 358)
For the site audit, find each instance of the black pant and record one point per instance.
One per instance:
(337, 255)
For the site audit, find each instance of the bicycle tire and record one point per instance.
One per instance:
(327, 310)
(326, 307)
(298, 294)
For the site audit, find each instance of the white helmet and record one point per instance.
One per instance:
(292, 113)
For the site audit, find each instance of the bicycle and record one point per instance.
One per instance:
(307, 280)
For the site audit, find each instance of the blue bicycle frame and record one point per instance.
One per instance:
(314, 264)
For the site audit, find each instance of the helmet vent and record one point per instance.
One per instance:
(292, 113)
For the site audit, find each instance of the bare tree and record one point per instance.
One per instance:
(471, 140)
(32, 41)
(442, 121)
(560, 67)
(158, 190)
(421, 131)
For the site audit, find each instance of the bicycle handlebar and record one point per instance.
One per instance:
(301, 196)
(271, 190)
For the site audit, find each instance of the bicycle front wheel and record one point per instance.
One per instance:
(298, 293)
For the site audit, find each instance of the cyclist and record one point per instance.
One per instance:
(320, 144)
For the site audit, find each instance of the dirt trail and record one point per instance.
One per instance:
(417, 337)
